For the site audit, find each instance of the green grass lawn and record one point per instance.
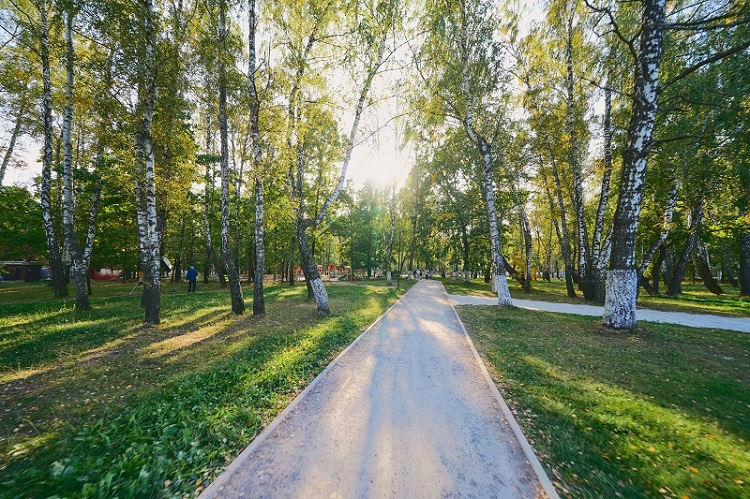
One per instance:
(695, 299)
(95, 405)
(660, 412)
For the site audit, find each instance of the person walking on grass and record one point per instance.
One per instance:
(192, 277)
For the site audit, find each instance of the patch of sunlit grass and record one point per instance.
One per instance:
(661, 412)
(98, 405)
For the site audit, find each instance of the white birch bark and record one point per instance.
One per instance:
(499, 281)
(59, 280)
(351, 142)
(235, 289)
(666, 227)
(312, 276)
(259, 302)
(680, 267)
(584, 254)
(622, 279)
(147, 98)
(604, 193)
(79, 264)
(296, 177)
(211, 253)
(599, 259)
(141, 214)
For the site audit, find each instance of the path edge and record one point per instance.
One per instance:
(544, 480)
(215, 486)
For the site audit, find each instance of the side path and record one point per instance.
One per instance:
(684, 319)
(405, 411)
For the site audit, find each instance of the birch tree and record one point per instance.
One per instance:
(584, 253)
(259, 303)
(645, 45)
(59, 278)
(371, 35)
(235, 289)
(145, 181)
(549, 159)
(391, 235)
(80, 256)
(622, 279)
(460, 60)
(598, 244)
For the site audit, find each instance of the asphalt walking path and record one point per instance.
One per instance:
(684, 319)
(408, 410)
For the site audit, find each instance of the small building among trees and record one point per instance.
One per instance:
(21, 270)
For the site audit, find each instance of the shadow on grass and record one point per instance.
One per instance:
(168, 408)
(657, 412)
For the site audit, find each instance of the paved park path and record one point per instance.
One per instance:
(693, 320)
(406, 411)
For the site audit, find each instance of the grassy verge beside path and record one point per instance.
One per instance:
(695, 299)
(661, 412)
(95, 405)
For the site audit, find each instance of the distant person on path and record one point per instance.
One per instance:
(192, 277)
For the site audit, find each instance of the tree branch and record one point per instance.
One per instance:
(716, 57)
(630, 42)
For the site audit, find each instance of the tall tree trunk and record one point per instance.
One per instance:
(59, 278)
(237, 200)
(678, 273)
(563, 233)
(599, 262)
(499, 281)
(389, 250)
(142, 219)
(584, 254)
(296, 181)
(657, 269)
(259, 302)
(82, 256)
(525, 227)
(465, 248)
(310, 269)
(211, 254)
(667, 226)
(622, 278)
(79, 267)
(235, 288)
(147, 98)
(308, 262)
(704, 267)
(727, 266)
(667, 266)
